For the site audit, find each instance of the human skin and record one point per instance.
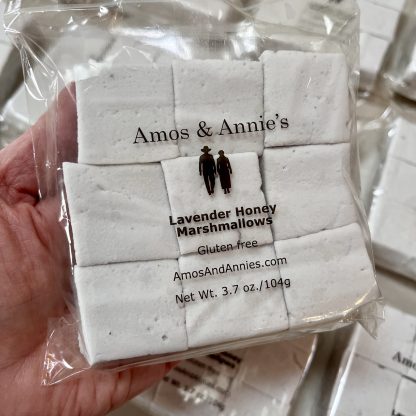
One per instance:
(34, 275)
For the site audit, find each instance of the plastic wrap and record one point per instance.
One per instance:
(393, 210)
(210, 191)
(257, 380)
(378, 377)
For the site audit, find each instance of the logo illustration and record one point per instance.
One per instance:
(209, 169)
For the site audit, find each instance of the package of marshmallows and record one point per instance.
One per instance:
(204, 170)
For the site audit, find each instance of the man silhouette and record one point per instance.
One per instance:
(207, 168)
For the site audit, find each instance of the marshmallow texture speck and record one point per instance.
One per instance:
(309, 186)
(212, 91)
(119, 213)
(113, 106)
(369, 390)
(331, 274)
(188, 196)
(240, 315)
(311, 90)
(129, 310)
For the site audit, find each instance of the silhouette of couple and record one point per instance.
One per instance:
(208, 169)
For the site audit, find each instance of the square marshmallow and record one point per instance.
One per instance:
(211, 91)
(403, 144)
(331, 274)
(369, 390)
(311, 91)
(310, 187)
(393, 227)
(188, 196)
(129, 310)
(119, 213)
(378, 20)
(115, 105)
(225, 318)
(396, 335)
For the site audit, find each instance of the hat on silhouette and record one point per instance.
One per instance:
(205, 149)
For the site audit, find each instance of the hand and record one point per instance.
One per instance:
(34, 272)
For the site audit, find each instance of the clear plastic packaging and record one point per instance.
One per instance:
(257, 380)
(386, 364)
(393, 210)
(210, 191)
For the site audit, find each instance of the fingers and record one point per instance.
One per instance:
(44, 146)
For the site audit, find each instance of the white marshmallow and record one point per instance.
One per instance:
(113, 106)
(331, 274)
(309, 185)
(189, 196)
(214, 90)
(397, 182)
(372, 52)
(369, 390)
(378, 20)
(406, 398)
(119, 213)
(393, 227)
(129, 310)
(311, 90)
(232, 317)
(390, 4)
(396, 335)
(403, 144)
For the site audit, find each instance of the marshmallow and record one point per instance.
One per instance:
(393, 227)
(378, 20)
(390, 4)
(406, 398)
(229, 317)
(119, 110)
(403, 144)
(395, 335)
(129, 310)
(369, 390)
(119, 213)
(372, 52)
(311, 91)
(213, 91)
(331, 274)
(398, 182)
(309, 185)
(188, 196)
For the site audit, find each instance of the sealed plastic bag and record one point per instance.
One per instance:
(210, 191)
(378, 377)
(256, 380)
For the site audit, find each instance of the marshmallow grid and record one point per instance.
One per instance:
(385, 364)
(124, 198)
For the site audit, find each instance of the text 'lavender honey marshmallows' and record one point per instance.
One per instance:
(187, 238)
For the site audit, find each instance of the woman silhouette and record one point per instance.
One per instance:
(224, 171)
